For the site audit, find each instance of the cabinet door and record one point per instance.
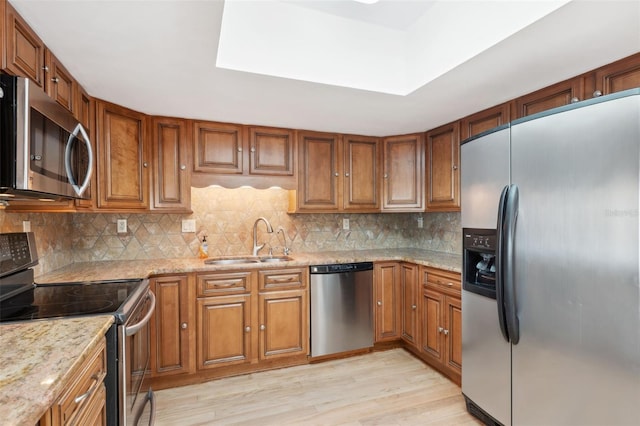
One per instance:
(25, 51)
(453, 333)
(443, 174)
(403, 173)
(218, 147)
(3, 34)
(271, 151)
(410, 298)
(171, 171)
(386, 283)
(318, 181)
(223, 331)
(432, 328)
(559, 94)
(123, 174)
(362, 160)
(283, 324)
(618, 76)
(485, 120)
(59, 83)
(171, 327)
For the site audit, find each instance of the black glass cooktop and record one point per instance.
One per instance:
(70, 299)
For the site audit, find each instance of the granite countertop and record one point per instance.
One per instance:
(128, 269)
(38, 358)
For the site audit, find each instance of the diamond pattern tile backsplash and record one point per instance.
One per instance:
(226, 217)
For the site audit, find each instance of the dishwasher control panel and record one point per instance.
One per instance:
(340, 267)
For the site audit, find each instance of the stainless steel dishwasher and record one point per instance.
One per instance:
(341, 307)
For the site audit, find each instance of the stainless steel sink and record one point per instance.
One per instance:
(267, 259)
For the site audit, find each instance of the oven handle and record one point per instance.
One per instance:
(133, 329)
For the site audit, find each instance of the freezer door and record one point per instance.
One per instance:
(484, 171)
(486, 356)
(576, 268)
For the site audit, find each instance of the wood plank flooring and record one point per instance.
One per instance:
(380, 388)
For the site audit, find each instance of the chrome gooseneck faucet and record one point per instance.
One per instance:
(285, 249)
(256, 247)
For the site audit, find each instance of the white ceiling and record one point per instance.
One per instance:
(163, 57)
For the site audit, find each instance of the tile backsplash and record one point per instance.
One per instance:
(226, 217)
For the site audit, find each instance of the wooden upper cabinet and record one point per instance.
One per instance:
(403, 173)
(621, 75)
(170, 145)
(484, 120)
(3, 34)
(559, 94)
(59, 82)
(218, 147)
(123, 174)
(318, 188)
(272, 151)
(361, 175)
(25, 54)
(443, 172)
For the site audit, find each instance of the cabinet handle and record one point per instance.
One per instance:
(78, 399)
(440, 329)
(55, 79)
(414, 307)
(574, 100)
(446, 332)
(379, 303)
(262, 327)
(183, 167)
(450, 284)
(597, 93)
(45, 68)
(247, 329)
(282, 280)
(183, 325)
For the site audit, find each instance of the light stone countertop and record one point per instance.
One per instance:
(128, 269)
(37, 360)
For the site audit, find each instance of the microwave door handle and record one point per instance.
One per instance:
(67, 159)
(133, 329)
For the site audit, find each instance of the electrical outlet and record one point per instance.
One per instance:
(189, 225)
(26, 226)
(345, 223)
(420, 222)
(122, 226)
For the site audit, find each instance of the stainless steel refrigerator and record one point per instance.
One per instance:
(551, 293)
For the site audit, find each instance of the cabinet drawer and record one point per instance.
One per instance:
(439, 279)
(220, 283)
(73, 404)
(279, 279)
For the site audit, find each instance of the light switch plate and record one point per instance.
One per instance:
(122, 226)
(189, 225)
(26, 226)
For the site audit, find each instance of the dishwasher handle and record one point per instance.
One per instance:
(338, 268)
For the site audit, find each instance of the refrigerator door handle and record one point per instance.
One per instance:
(511, 216)
(502, 316)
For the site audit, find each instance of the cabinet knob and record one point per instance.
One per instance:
(145, 164)
(446, 332)
(336, 174)
(414, 307)
(247, 329)
(574, 100)
(450, 284)
(55, 79)
(239, 149)
(386, 176)
(183, 325)
(346, 174)
(597, 93)
(455, 167)
(183, 167)
(262, 327)
(253, 149)
(45, 68)
(440, 329)
(379, 303)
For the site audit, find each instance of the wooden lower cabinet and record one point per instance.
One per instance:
(441, 322)
(386, 296)
(224, 331)
(283, 324)
(172, 326)
(83, 402)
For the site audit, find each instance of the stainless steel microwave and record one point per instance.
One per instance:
(44, 152)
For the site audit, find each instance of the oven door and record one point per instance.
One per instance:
(135, 393)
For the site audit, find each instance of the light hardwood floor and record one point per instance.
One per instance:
(381, 388)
